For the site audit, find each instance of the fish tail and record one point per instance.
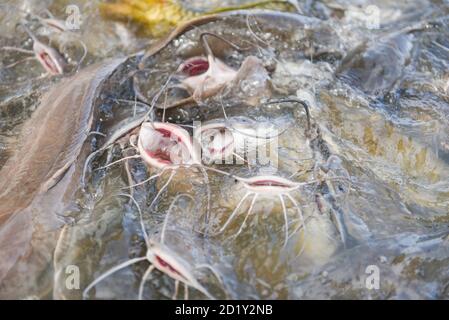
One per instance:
(159, 16)
(156, 17)
(282, 5)
(121, 11)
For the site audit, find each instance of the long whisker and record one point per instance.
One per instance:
(338, 216)
(143, 182)
(441, 46)
(137, 91)
(111, 271)
(303, 222)
(206, 47)
(86, 164)
(175, 294)
(206, 181)
(230, 125)
(213, 270)
(186, 291)
(186, 126)
(222, 105)
(156, 97)
(162, 189)
(300, 173)
(118, 161)
(84, 54)
(30, 34)
(210, 34)
(202, 90)
(318, 181)
(303, 103)
(260, 48)
(268, 137)
(215, 273)
(132, 73)
(234, 213)
(165, 103)
(135, 102)
(299, 227)
(181, 103)
(142, 225)
(241, 158)
(247, 215)
(201, 289)
(144, 279)
(223, 172)
(253, 33)
(91, 133)
(169, 211)
(18, 62)
(48, 13)
(129, 176)
(284, 211)
(327, 234)
(17, 49)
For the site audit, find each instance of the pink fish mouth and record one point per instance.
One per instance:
(225, 147)
(268, 183)
(194, 66)
(48, 63)
(223, 150)
(159, 154)
(203, 77)
(216, 141)
(165, 265)
(161, 144)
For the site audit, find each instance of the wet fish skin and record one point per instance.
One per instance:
(281, 19)
(38, 182)
(375, 67)
(50, 140)
(159, 17)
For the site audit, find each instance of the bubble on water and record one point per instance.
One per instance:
(267, 35)
(184, 45)
(250, 87)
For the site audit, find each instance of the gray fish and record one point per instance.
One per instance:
(376, 67)
(38, 182)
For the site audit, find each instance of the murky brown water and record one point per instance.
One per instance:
(379, 104)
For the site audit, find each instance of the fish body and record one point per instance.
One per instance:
(38, 182)
(375, 68)
(168, 262)
(160, 16)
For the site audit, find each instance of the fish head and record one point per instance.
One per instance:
(164, 144)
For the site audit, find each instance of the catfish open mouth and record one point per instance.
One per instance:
(163, 144)
(205, 76)
(224, 149)
(194, 66)
(216, 140)
(49, 64)
(164, 265)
